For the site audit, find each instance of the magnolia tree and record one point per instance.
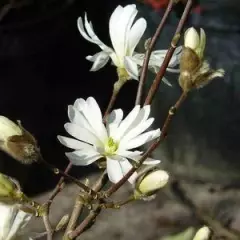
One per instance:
(107, 138)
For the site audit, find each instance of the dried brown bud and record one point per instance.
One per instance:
(17, 141)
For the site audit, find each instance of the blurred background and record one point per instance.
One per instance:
(43, 70)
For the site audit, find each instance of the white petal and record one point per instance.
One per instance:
(131, 67)
(73, 143)
(143, 138)
(82, 30)
(119, 24)
(135, 34)
(129, 154)
(126, 166)
(92, 113)
(135, 132)
(90, 35)
(83, 157)
(113, 121)
(114, 170)
(82, 134)
(77, 117)
(117, 169)
(151, 161)
(124, 125)
(94, 116)
(99, 60)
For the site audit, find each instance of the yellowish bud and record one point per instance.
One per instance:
(202, 234)
(7, 186)
(148, 183)
(17, 142)
(191, 38)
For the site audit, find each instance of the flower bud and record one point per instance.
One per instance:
(194, 71)
(7, 186)
(17, 142)
(202, 234)
(191, 38)
(149, 182)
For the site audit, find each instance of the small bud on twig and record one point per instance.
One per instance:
(195, 72)
(149, 182)
(202, 234)
(17, 141)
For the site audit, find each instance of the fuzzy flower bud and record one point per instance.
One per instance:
(195, 72)
(17, 142)
(202, 234)
(150, 182)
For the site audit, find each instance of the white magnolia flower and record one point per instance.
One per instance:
(12, 222)
(115, 142)
(125, 34)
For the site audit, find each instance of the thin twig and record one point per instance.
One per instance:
(85, 223)
(67, 176)
(78, 207)
(47, 226)
(153, 41)
(59, 186)
(154, 87)
(152, 147)
(116, 89)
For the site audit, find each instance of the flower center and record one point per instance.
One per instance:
(122, 74)
(110, 147)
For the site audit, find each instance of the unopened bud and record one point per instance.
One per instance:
(17, 142)
(194, 71)
(7, 186)
(191, 38)
(202, 234)
(150, 182)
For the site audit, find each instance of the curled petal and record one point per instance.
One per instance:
(131, 67)
(99, 60)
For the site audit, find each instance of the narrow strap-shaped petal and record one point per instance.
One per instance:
(118, 27)
(83, 157)
(117, 170)
(73, 143)
(135, 133)
(126, 123)
(135, 34)
(82, 134)
(143, 138)
(131, 67)
(113, 121)
(100, 61)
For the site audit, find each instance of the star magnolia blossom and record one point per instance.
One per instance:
(125, 35)
(12, 222)
(115, 141)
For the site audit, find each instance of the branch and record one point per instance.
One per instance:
(154, 87)
(48, 226)
(153, 41)
(59, 186)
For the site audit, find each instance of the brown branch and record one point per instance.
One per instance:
(48, 226)
(67, 176)
(152, 147)
(78, 207)
(59, 186)
(153, 41)
(154, 87)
